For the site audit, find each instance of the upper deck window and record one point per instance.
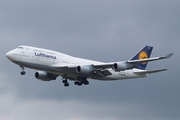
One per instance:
(20, 47)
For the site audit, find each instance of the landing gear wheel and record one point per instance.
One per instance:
(86, 82)
(64, 81)
(23, 72)
(76, 82)
(79, 83)
(66, 84)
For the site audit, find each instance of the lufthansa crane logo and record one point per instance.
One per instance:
(143, 55)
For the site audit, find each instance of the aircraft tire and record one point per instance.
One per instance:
(86, 82)
(23, 72)
(66, 84)
(64, 81)
(75, 83)
(79, 83)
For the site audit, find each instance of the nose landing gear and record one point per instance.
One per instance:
(22, 72)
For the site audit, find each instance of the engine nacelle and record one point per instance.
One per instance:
(119, 67)
(44, 76)
(83, 70)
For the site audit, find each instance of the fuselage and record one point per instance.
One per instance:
(49, 61)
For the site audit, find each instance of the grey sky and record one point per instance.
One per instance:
(103, 30)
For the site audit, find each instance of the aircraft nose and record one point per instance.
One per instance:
(9, 54)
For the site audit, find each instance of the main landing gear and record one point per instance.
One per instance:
(80, 82)
(83, 81)
(66, 84)
(22, 72)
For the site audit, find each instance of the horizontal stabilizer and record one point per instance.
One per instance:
(149, 71)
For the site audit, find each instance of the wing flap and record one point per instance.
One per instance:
(105, 72)
(99, 70)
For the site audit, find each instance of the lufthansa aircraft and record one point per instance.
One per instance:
(51, 64)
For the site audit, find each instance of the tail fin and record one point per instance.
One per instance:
(142, 54)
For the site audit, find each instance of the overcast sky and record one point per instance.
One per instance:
(102, 30)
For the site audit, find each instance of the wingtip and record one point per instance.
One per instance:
(169, 55)
(166, 69)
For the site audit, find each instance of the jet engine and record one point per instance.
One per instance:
(44, 76)
(83, 70)
(119, 67)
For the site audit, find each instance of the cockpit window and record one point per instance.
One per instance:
(20, 47)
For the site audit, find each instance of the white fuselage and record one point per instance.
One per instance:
(49, 61)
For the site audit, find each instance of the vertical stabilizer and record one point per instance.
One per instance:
(143, 54)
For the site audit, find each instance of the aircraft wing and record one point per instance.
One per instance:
(101, 68)
(110, 65)
(149, 59)
(103, 65)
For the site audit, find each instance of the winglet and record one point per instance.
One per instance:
(169, 55)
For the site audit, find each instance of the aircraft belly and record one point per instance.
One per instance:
(50, 69)
(33, 65)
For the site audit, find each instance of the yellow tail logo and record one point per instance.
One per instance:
(143, 55)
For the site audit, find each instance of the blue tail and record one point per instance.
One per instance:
(142, 54)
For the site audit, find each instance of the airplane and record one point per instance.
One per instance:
(50, 64)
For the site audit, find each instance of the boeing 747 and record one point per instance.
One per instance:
(51, 64)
